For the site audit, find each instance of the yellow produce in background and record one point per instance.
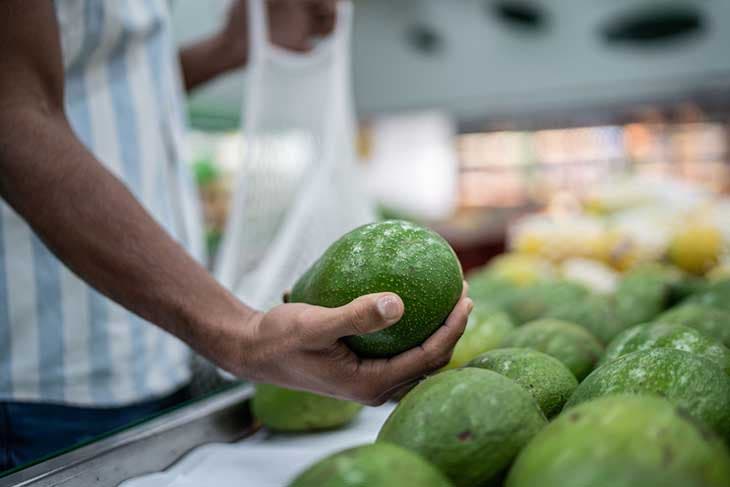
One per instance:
(521, 269)
(697, 247)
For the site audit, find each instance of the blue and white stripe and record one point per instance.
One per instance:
(60, 340)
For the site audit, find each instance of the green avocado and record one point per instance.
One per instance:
(715, 294)
(640, 296)
(667, 335)
(396, 256)
(491, 293)
(623, 441)
(711, 321)
(574, 346)
(545, 377)
(470, 423)
(689, 381)
(535, 301)
(485, 331)
(377, 465)
(594, 313)
(283, 409)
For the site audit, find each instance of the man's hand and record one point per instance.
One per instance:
(300, 346)
(293, 25)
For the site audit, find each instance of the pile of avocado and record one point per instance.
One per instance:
(551, 385)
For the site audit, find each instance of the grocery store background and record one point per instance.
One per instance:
(573, 130)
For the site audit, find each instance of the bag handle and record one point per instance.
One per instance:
(336, 112)
(260, 44)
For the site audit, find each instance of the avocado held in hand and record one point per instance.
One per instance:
(395, 256)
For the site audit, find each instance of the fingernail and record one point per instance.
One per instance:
(469, 305)
(389, 307)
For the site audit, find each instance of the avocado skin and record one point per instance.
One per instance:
(595, 313)
(694, 383)
(544, 377)
(485, 331)
(469, 422)
(572, 344)
(623, 441)
(534, 302)
(396, 256)
(641, 296)
(668, 335)
(380, 464)
(707, 319)
(715, 294)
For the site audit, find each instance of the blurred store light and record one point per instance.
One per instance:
(515, 168)
(413, 165)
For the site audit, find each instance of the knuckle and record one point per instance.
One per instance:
(305, 327)
(358, 318)
(305, 321)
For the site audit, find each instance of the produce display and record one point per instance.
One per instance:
(397, 256)
(629, 221)
(600, 361)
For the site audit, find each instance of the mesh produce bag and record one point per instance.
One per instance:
(299, 187)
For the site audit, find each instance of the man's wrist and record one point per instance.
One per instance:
(211, 57)
(230, 53)
(221, 330)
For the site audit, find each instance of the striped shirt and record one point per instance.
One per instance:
(60, 340)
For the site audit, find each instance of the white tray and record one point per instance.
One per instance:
(264, 459)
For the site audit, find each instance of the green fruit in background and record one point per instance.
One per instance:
(641, 296)
(687, 380)
(685, 287)
(378, 465)
(711, 321)
(396, 256)
(545, 377)
(283, 409)
(715, 294)
(490, 293)
(470, 423)
(533, 302)
(594, 313)
(485, 331)
(571, 344)
(667, 335)
(615, 440)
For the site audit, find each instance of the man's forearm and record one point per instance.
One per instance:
(207, 59)
(89, 219)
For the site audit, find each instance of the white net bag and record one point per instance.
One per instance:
(299, 187)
